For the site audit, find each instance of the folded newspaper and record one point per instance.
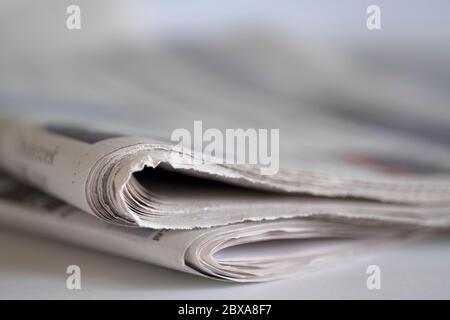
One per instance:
(354, 172)
(241, 252)
(264, 226)
(142, 182)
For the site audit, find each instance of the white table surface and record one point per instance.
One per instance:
(33, 267)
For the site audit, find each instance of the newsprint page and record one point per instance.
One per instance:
(224, 156)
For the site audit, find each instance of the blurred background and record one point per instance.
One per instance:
(155, 66)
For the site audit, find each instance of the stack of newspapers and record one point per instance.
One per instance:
(356, 165)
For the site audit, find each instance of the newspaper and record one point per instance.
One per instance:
(245, 252)
(143, 182)
(357, 167)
